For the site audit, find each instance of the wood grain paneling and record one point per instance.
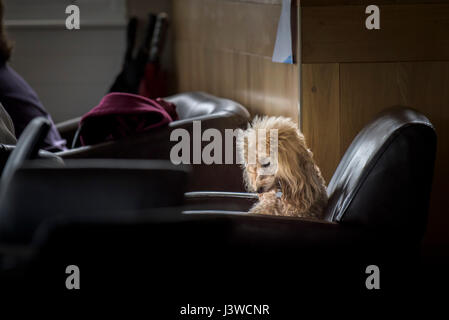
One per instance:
(257, 83)
(367, 89)
(227, 25)
(407, 33)
(405, 63)
(225, 48)
(321, 114)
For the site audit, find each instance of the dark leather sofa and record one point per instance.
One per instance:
(213, 112)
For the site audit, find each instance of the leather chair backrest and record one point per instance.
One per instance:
(86, 188)
(384, 179)
(213, 112)
(199, 104)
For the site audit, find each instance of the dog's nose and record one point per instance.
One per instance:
(260, 190)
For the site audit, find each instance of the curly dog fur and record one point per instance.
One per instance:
(289, 184)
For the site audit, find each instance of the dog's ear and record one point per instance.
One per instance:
(299, 179)
(297, 192)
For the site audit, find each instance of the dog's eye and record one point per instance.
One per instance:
(266, 165)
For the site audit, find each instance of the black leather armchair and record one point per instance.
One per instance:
(35, 191)
(213, 112)
(381, 187)
(190, 106)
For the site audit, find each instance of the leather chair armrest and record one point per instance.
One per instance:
(49, 157)
(218, 194)
(223, 202)
(67, 129)
(248, 232)
(267, 233)
(275, 252)
(278, 231)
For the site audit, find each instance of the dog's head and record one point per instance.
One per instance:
(275, 155)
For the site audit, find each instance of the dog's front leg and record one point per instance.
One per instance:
(258, 208)
(266, 204)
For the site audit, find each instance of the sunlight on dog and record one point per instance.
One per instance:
(284, 174)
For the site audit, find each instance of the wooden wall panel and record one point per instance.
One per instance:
(366, 89)
(225, 48)
(404, 63)
(417, 32)
(321, 114)
(257, 83)
(228, 25)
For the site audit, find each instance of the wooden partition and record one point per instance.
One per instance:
(351, 73)
(225, 47)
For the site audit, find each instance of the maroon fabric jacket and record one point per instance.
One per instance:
(123, 114)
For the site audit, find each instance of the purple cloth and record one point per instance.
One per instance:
(23, 105)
